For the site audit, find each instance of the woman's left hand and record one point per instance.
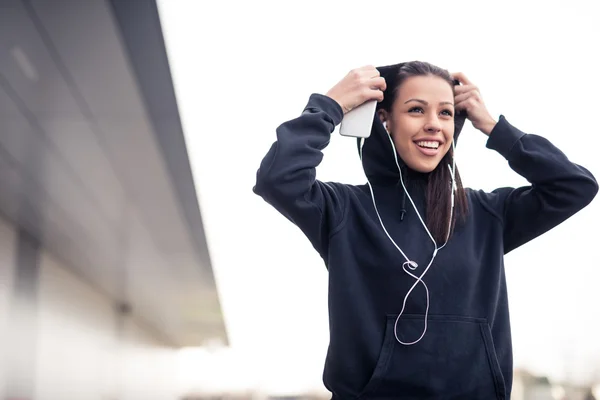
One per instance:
(468, 98)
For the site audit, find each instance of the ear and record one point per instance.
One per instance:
(383, 115)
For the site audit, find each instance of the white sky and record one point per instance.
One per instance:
(242, 68)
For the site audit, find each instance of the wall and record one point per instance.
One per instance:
(7, 245)
(83, 347)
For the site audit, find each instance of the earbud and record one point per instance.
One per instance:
(386, 127)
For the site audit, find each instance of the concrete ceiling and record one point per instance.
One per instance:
(93, 159)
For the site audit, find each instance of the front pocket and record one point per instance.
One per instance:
(456, 359)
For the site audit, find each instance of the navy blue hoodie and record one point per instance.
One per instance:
(466, 352)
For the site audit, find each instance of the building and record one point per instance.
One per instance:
(104, 263)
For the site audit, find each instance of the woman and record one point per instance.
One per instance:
(413, 231)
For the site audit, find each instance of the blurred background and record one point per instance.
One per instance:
(135, 261)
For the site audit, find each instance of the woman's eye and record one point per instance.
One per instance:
(420, 110)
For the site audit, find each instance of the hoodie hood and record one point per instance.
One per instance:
(378, 152)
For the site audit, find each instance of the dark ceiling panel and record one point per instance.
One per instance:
(139, 24)
(52, 111)
(100, 78)
(94, 161)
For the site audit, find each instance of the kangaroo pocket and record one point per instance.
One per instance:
(456, 359)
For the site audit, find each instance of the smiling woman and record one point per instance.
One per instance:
(459, 344)
(421, 148)
(423, 136)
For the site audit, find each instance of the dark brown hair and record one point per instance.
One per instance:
(438, 187)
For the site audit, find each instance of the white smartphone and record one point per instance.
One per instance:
(358, 122)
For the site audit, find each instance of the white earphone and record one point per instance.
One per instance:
(412, 265)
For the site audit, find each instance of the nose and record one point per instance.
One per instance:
(433, 125)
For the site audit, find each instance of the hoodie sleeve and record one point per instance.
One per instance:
(287, 180)
(558, 190)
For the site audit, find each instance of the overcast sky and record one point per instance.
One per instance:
(242, 68)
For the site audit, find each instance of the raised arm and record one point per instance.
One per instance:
(558, 190)
(286, 178)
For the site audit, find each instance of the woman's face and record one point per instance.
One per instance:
(421, 121)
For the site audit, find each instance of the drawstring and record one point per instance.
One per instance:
(403, 206)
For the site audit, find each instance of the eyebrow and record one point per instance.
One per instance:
(426, 103)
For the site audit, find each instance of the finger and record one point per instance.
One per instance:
(363, 74)
(464, 96)
(369, 70)
(368, 67)
(461, 78)
(373, 94)
(465, 88)
(465, 104)
(462, 106)
(378, 83)
(379, 96)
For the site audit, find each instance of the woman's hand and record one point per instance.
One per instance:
(468, 98)
(359, 86)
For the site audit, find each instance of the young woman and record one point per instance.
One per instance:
(417, 293)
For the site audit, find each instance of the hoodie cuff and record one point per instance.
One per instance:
(327, 105)
(503, 137)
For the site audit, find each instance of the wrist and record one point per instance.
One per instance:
(327, 104)
(487, 127)
(333, 97)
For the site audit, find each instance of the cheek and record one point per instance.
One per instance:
(405, 129)
(448, 144)
(449, 134)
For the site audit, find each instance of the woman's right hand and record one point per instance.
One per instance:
(359, 86)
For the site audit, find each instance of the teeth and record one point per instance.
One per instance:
(431, 145)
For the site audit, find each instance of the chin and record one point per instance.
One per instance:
(421, 167)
